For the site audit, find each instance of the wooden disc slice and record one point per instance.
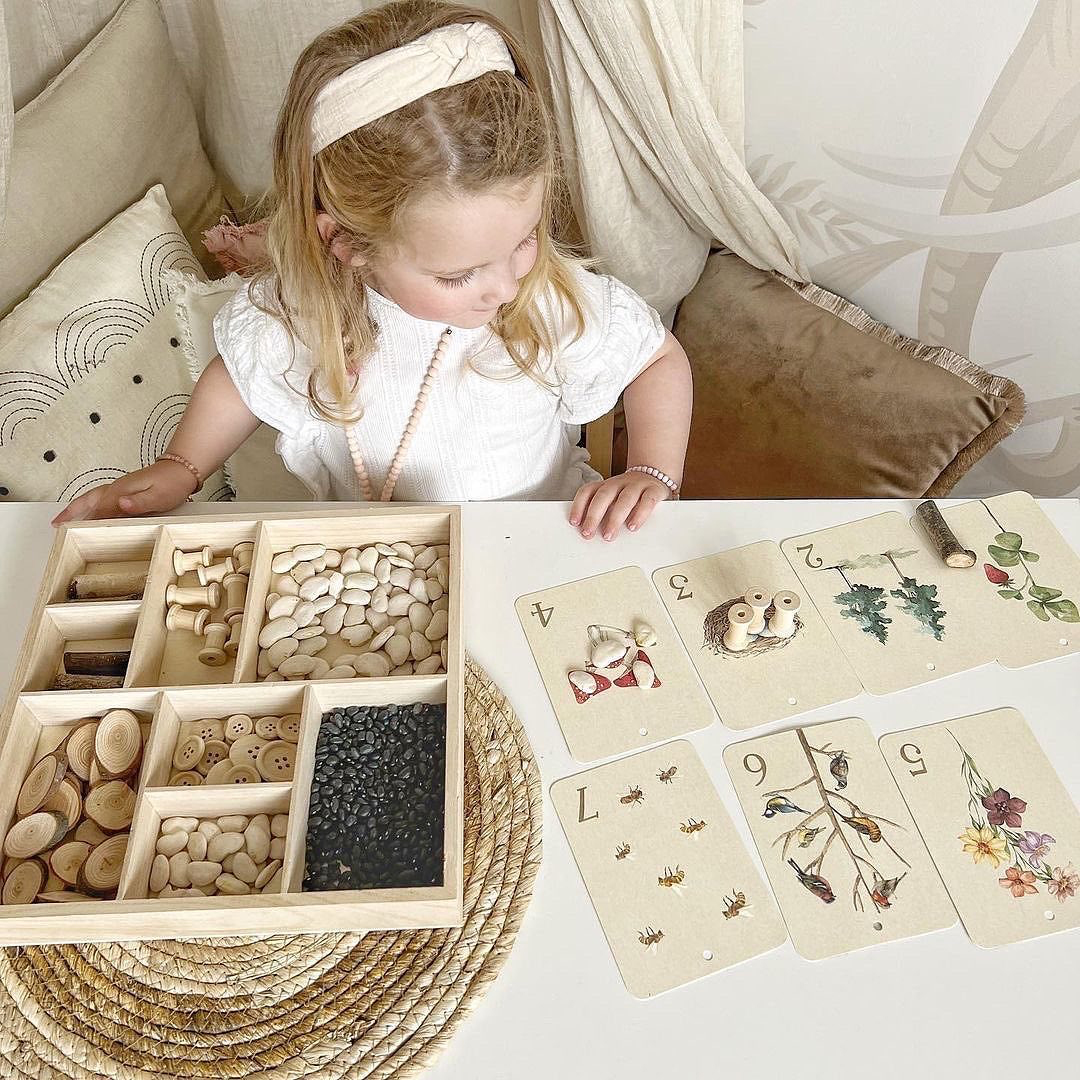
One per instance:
(217, 773)
(95, 773)
(289, 728)
(79, 748)
(42, 780)
(237, 726)
(189, 752)
(186, 778)
(111, 805)
(35, 833)
(67, 859)
(100, 873)
(242, 774)
(9, 864)
(276, 761)
(89, 832)
(24, 883)
(245, 751)
(216, 750)
(66, 800)
(64, 896)
(206, 729)
(266, 727)
(118, 743)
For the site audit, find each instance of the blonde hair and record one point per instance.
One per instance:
(493, 130)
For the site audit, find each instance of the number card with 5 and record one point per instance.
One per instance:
(998, 822)
(615, 672)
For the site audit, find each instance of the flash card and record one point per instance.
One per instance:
(675, 890)
(844, 858)
(998, 822)
(762, 652)
(611, 662)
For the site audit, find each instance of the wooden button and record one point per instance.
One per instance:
(266, 727)
(276, 761)
(245, 751)
(186, 778)
(189, 752)
(214, 751)
(237, 726)
(242, 774)
(288, 728)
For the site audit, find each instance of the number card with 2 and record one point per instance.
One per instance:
(998, 822)
(844, 858)
(675, 890)
(612, 664)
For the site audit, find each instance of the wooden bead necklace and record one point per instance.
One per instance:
(353, 438)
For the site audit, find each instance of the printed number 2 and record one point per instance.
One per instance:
(809, 549)
(679, 582)
(543, 613)
(917, 760)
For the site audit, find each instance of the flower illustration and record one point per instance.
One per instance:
(1035, 846)
(1063, 883)
(1018, 882)
(984, 843)
(1004, 809)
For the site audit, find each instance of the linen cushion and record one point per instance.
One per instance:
(115, 121)
(799, 393)
(92, 378)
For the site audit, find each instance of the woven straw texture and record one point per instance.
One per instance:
(374, 1005)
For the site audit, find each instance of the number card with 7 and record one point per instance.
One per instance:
(612, 664)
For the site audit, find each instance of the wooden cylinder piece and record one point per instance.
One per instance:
(212, 654)
(952, 552)
(740, 616)
(178, 618)
(216, 572)
(185, 561)
(758, 599)
(194, 595)
(119, 585)
(782, 620)
(232, 644)
(242, 555)
(235, 595)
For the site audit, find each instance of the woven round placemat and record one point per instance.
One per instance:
(330, 1005)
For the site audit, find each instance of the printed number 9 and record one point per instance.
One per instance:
(758, 770)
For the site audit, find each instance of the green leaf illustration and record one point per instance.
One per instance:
(864, 604)
(1003, 557)
(1012, 541)
(1063, 610)
(1010, 594)
(1037, 610)
(1042, 593)
(920, 602)
(1031, 556)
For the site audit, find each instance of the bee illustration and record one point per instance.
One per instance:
(649, 936)
(864, 825)
(634, 795)
(665, 775)
(734, 904)
(671, 877)
(839, 768)
(691, 826)
(621, 851)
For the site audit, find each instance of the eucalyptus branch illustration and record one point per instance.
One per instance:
(1008, 551)
(864, 825)
(919, 601)
(996, 816)
(864, 604)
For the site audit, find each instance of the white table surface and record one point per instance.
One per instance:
(934, 1006)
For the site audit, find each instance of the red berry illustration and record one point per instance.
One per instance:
(998, 577)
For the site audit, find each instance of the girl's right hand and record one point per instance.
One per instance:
(163, 486)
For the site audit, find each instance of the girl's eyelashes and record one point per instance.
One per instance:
(464, 279)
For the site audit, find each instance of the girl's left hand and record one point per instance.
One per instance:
(605, 505)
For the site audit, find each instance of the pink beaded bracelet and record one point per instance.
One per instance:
(656, 474)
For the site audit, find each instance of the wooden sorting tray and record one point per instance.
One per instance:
(165, 686)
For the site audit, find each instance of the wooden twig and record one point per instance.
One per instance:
(949, 549)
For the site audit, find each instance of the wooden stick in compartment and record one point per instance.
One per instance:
(323, 697)
(77, 759)
(394, 613)
(182, 811)
(80, 628)
(182, 707)
(101, 563)
(176, 644)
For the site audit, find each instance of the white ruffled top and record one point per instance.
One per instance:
(480, 437)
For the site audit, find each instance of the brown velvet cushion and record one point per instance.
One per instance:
(793, 400)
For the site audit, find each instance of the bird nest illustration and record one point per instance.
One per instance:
(716, 624)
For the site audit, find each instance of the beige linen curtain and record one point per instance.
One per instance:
(648, 97)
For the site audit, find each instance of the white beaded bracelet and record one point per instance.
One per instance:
(656, 474)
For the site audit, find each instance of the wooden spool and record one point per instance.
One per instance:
(178, 618)
(217, 572)
(782, 620)
(67, 859)
(951, 551)
(35, 833)
(235, 596)
(242, 554)
(212, 654)
(185, 561)
(100, 873)
(24, 883)
(208, 596)
(740, 616)
(118, 744)
(42, 780)
(232, 645)
(110, 805)
(78, 748)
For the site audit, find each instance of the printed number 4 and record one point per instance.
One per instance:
(543, 613)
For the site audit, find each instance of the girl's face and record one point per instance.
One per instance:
(461, 257)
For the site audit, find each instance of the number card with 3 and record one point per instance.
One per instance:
(998, 822)
(612, 664)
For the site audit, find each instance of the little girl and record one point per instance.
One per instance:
(415, 331)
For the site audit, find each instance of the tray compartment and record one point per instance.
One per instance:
(99, 549)
(106, 626)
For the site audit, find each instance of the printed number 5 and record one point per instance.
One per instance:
(916, 760)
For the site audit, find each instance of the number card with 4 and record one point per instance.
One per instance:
(612, 664)
(844, 858)
(998, 822)
(676, 892)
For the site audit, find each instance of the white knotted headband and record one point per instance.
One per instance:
(444, 57)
